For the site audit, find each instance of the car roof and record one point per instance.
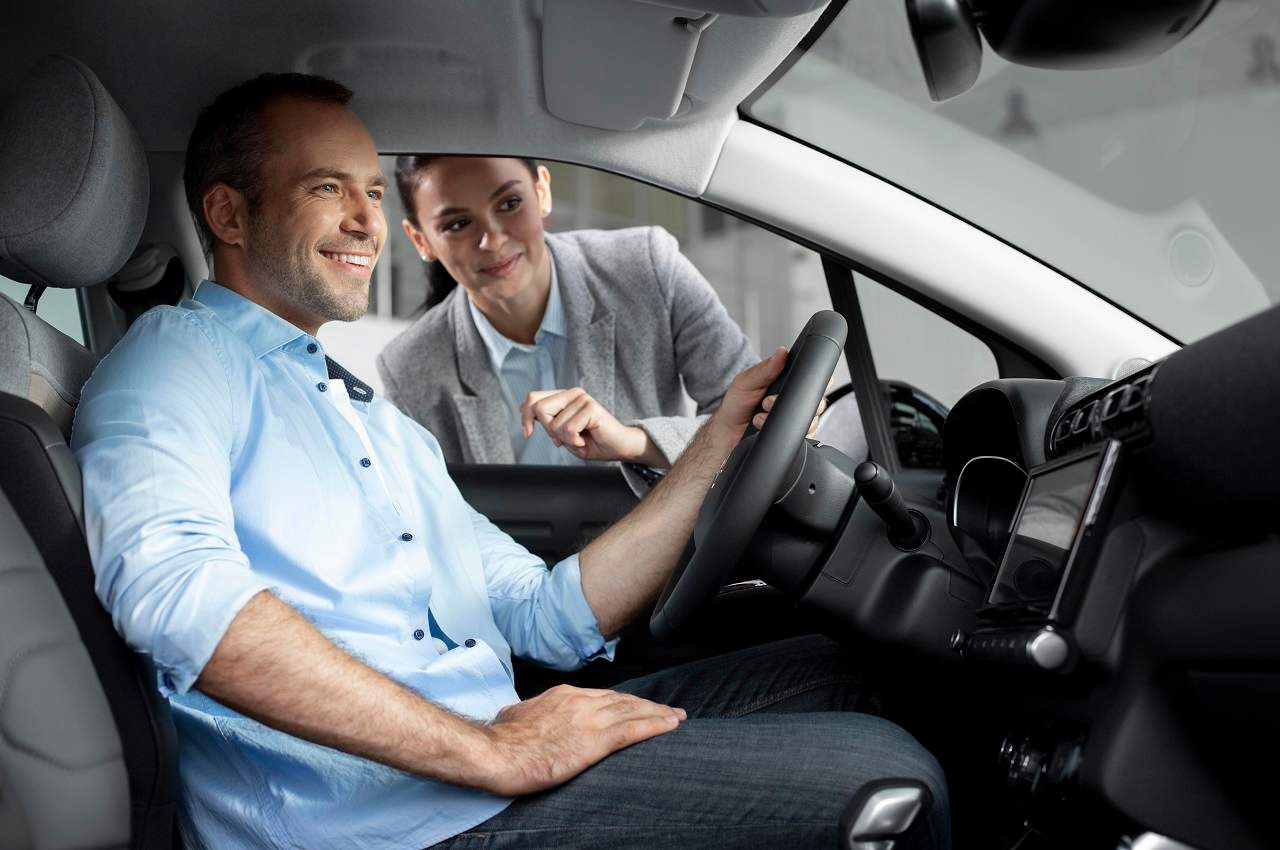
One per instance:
(452, 75)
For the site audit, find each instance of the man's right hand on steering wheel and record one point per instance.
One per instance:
(741, 405)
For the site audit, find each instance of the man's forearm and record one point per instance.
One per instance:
(624, 568)
(274, 666)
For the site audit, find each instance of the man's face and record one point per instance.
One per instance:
(314, 238)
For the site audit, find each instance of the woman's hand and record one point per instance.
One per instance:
(577, 422)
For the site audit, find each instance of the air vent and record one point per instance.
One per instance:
(1117, 410)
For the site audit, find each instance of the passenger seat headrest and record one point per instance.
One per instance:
(73, 179)
(152, 277)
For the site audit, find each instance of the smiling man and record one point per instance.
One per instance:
(297, 245)
(334, 625)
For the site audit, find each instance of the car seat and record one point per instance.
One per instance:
(85, 760)
(153, 276)
(841, 426)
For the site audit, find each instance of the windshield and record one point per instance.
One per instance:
(1156, 186)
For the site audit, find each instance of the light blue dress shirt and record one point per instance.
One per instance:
(215, 466)
(547, 364)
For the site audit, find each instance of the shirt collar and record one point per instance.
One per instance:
(498, 346)
(255, 324)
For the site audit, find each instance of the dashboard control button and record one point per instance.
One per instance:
(1048, 650)
(1008, 747)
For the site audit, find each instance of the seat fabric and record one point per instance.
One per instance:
(40, 363)
(62, 771)
(41, 480)
(73, 200)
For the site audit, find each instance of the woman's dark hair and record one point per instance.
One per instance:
(229, 144)
(409, 170)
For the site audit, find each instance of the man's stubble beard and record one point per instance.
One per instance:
(297, 280)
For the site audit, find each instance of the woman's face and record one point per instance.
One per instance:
(482, 218)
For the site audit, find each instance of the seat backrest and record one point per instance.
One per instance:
(73, 201)
(42, 481)
(40, 363)
(63, 780)
(841, 427)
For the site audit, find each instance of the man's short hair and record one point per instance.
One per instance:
(228, 144)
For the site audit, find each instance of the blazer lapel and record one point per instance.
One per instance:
(591, 326)
(482, 427)
(481, 410)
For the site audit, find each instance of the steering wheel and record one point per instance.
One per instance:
(748, 482)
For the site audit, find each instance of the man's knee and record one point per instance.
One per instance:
(908, 757)
(870, 751)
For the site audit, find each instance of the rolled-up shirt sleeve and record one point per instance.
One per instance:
(155, 437)
(542, 612)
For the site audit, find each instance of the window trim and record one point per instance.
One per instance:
(862, 366)
(1012, 360)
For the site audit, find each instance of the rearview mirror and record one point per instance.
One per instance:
(1062, 34)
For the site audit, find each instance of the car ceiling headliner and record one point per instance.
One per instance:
(441, 75)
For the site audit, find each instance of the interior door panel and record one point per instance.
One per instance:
(552, 510)
(556, 510)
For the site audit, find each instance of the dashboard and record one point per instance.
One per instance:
(1038, 488)
(1124, 535)
(1098, 576)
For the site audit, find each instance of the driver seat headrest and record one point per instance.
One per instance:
(73, 179)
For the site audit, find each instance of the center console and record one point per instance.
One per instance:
(1047, 563)
(1048, 521)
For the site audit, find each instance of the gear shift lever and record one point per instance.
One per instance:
(907, 530)
(883, 813)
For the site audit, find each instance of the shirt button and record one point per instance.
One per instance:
(365, 462)
(406, 537)
(322, 386)
(419, 634)
(312, 348)
(469, 642)
(441, 646)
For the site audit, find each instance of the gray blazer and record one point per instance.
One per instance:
(645, 327)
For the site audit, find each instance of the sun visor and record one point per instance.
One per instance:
(615, 63)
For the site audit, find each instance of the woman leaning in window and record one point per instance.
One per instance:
(552, 348)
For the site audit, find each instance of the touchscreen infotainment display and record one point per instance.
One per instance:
(1048, 521)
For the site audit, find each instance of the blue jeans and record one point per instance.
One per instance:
(774, 749)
